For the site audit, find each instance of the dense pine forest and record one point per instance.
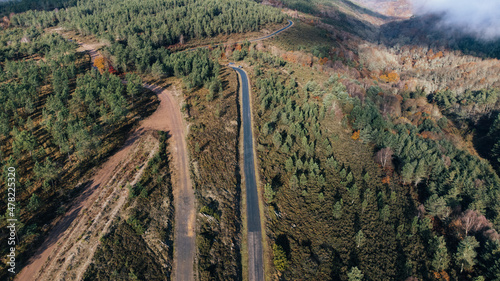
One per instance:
(401, 138)
(141, 42)
(391, 191)
(377, 140)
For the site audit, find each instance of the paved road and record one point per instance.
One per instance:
(185, 217)
(290, 24)
(254, 237)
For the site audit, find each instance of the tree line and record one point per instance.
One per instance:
(138, 30)
(428, 211)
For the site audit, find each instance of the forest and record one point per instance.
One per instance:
(378, 147)
(344, 167)
(140, 43)
(327, 209)
(60, 116)
(8, 7)
(427, 31)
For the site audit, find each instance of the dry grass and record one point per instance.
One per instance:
(213, 144)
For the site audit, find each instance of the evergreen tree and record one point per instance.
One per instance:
(490, 261)
(355, 274)
(34, 202)
(360, 239)
(466, 253)
(269, 193)
(280, 261)
(441, 258)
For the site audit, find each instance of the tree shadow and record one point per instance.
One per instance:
(27, 5)
(367, 11)
(427, 31)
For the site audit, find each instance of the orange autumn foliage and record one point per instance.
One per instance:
(386, 180)
(290, 57)
(355, 135)
(441, 275)
(457, 226)
(323, 61)
(390, 77)
(427, 135)
(100, 63)
(431, 55)
(104, 64)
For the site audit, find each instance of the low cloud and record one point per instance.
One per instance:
(478, 18)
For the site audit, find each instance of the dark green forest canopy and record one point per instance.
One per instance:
(22, 6)
(157, 21)
(138, 30)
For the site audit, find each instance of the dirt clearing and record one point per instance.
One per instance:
(72, 242)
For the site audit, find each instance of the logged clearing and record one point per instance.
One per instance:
(71, 244)
(185, 215)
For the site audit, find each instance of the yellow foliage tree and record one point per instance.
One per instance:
(280, 260)
(355, 135)
(323, 60)
(100, 63)
(390, 77)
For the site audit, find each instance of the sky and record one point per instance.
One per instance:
(478, 18)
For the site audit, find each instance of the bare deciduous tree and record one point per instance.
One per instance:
(492, 234)
(473, 221)
(384, 156)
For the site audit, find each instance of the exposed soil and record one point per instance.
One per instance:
(72, 242)
(184, 200)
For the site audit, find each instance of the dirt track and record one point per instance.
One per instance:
(185, 215)
(63, 246)
(102, 199)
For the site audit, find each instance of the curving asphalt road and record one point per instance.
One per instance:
(254, 237)
(290, 24)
